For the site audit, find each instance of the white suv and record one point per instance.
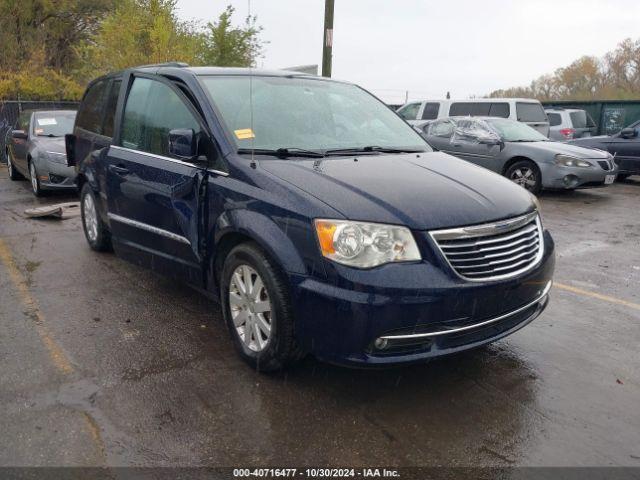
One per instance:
(570, 123)
(526, 110)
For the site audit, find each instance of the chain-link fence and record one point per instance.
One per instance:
(11, 109)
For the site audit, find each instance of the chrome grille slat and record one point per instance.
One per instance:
(532, 251)
(493, 251)
(529, 228)
(533, 236)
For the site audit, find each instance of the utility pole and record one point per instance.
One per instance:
(328, 38)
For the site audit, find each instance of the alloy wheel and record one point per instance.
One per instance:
(525, 177)
(90, 217)
(34, 178)
(250, 308)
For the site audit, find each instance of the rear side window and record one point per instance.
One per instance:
(410, 112)
(501, 110)
(92, 108)
(554, 119)
(152, 110)
(581, 119)
(530, 112)
(474, 109)
(431, 111)
(110, 113)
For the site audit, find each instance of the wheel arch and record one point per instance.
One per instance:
(518, 158)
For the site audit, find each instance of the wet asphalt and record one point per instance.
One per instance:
(104, 363)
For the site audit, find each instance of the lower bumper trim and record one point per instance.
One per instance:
(540, 298)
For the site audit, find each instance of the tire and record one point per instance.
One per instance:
(13, 173)
(95, 231)
(526, 174)
(622, 177)
(264, 351)
(35, 181)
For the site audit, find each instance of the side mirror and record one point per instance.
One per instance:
(628, 133)
(70, 146)
(183, 143)
(19, 134)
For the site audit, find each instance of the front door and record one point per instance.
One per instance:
(154, 196)
(18, 146)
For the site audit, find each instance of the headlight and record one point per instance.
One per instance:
(569, 161)
(365, 245)
(56, 157)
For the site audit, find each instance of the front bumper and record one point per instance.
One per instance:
(568, 178)
(54, 176)
(421, 311)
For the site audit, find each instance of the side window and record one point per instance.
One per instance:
(431, 110)
(530, 112)
(23, 121)
(441, 129)
(152, 110)
(499, 110)
(110, 112)
(410, 112)
(460, 109)
(554, 119)
(92, 108)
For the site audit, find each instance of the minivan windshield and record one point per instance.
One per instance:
(54, 124)
(511, 131)
(312, 114)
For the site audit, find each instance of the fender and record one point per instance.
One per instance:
(264, 232)
(87, 174)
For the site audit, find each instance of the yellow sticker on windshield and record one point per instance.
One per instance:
(244, 134)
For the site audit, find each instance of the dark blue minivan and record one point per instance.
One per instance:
(322, 221)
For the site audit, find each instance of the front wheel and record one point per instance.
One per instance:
(35, 182)
(95, 231)
(526, 174)
(257, 309)
(13, 173)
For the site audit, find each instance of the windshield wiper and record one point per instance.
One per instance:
(283, 152)
(370, 149)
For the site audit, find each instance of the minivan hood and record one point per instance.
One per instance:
(566, 149)
(423, 192)
(51, 144)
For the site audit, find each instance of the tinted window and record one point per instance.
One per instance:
(430, 111)
(474, 109)
(530, 112)
(152, 110)
(499, 110)
(554, 119)
(110, 113)
(410, 112)
(92, 108)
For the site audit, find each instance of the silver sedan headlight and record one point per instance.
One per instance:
(56, 157)
(365, 245)
(569, 161)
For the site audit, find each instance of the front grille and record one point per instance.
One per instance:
(493, 251)
(604, 164)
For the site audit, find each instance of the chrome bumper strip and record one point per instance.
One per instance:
(475, 325)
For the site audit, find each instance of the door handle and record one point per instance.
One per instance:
(118, 170)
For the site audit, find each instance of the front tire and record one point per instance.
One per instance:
(257, 309)
(526, 174)
(95, 231)
(13, 173)
(35, 181)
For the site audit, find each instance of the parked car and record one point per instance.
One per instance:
(322, 222)
(524, 110)
(624, 146)
(36, 150)
(569, 123)
(520, 153)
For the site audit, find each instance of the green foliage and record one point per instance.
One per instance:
(616, 76)
(52, 48)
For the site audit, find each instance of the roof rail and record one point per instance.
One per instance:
(166, 64)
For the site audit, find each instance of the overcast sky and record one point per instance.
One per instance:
(430, 47)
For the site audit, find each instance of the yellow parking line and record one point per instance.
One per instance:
(56, 353)
(599, 296)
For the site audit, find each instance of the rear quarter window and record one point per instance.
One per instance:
(554, 119)
(530, 112)
(92, 107)
(501, 110)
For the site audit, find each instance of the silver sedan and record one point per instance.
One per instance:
(520, 153)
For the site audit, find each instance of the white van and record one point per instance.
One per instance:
(526, 110)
